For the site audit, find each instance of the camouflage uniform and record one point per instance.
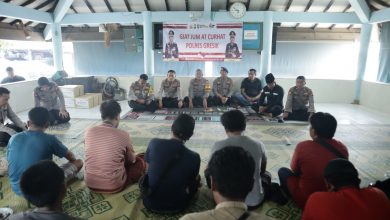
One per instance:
(139, 91)
(170, 93)
(222, 87)
(197, 92)
(300, 103)
(53, 100)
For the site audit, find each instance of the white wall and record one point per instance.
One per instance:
(376, 96)
(21, 95)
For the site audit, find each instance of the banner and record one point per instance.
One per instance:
(202, 41)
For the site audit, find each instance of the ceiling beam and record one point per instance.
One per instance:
(59, 12)
(361, 9)
(227, 5)
(147, 5)
(247, 4)
(268, 5)
(167, 5)
(102, 18)
(89, 6)
(325, 10)
(345, 10)
(306, 9)
(127, 5)
(27, 2)
(383, 3)
(288, 5)
(187, 5)
(108, 5)
(380, 16)
(24, 13)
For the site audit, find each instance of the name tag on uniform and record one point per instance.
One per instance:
(266, 93)
(275, 93)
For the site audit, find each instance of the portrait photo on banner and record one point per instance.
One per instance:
(202, 41)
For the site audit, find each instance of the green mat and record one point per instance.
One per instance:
(369, 147)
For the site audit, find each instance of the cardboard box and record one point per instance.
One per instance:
(85, 101)
(70, 103)
(97, 98)
(72, 91)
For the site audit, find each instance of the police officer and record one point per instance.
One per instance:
(171, 49)
(222, 89)
(300, 102)
(49, 96)
(198, 92)
(140, 95)
(232, 51)
(169, 95)
(271, 98)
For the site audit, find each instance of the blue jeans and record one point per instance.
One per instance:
(242, 100)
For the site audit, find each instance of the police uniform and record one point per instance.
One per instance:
(53, 100)
(272, 99)
(170, 93)
(300, 103)
(6, 131)
(139, 91)
(171, 50)
(232, 51)
(197, 92)
(222, 87)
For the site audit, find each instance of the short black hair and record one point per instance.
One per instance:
(42, 183)
(171, 32)
(269, 78)
(183, 127)
(301, 78)
(224, 69)
(43, 81)
(39, 116)
(9, 69)
(231, 169)
(324, 124)
(144, 77)
(341, 172)
(252, 70)
(4, 90)
(110, 109)
(171, 71)
(233, 120)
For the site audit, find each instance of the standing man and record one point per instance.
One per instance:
(222, 88)
(232, 51)
(250, 90)
(140, 95)
(6, 131)
(171, 49)
(271, 98)
(169, 95)
(198, 92)
(300, 102)
(11, 76)
(49, 96)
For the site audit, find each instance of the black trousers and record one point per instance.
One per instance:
(138, 107)
(275, 110)
(170, 102)
(216, 101)
(55, 117)
(197, 101)
(4, 136)
(298, 115)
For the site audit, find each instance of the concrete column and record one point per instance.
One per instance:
(266, 53)
(57, 46)
(365, 37)
(148, 45)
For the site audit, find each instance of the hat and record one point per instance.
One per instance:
(43, 81)
(232, 33)
(224, 69)
(269, 78)
(340, 168)
(171, 33)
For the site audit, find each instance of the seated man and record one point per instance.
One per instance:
(11, 76)
(6, 131)
(223, 89)
(229, 175)
(173, 169)
(345, 199)
(110, 162)
(169, 95)
(198, 92)
(49, 96)
(250, 90)
(43, 185)
(141, 96)
(234, 123)
(29, 147)
(271, 98)
(298, 99)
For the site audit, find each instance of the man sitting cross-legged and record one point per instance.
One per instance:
(43, 185)
(229, 174)
(29, 147)
(234, 123)
(110, 162)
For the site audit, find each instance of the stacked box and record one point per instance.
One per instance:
(71, 92)
(85, 101)
(98, 98)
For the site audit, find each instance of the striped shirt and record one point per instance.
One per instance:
(107, 150)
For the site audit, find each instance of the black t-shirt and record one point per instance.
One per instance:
(252, 89)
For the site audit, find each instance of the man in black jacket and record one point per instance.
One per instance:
(271, 98)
